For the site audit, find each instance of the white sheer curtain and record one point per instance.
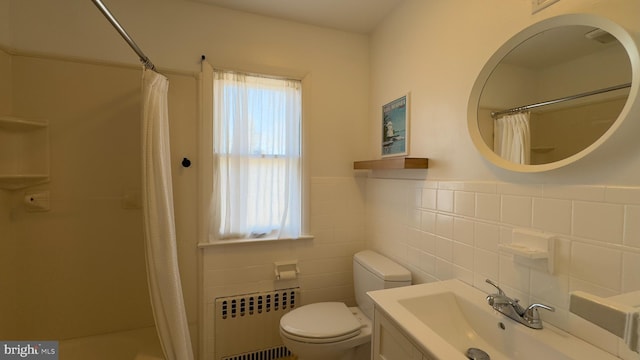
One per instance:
(512, 138)
(165, 287)
(257, 157)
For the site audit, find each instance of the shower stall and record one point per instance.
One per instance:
(75, 269)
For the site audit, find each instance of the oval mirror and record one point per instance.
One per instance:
(551, 94)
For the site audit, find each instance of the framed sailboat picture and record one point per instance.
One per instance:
(395, 127)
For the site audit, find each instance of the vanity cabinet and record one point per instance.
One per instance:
(389, 343)
(24, 152)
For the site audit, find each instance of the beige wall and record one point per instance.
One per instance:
(8, 249)
(8, 259)
(5, 22)
(5, 83)
(337, 61)
(435, 49)
(8, 266)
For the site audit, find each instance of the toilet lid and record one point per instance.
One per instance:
(321, 321)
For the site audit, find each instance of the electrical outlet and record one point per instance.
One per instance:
(537, 5)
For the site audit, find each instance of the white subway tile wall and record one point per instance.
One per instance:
(516, 210)
(552, 215)
(453, 228)
(630, 272)
(632, 226)
(450, 229)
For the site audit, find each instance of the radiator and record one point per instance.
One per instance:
(247, 326)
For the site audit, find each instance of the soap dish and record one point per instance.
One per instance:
(531, 248)
(524, 251)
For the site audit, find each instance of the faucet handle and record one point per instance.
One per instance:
(542, 306)
(516, 305)
(500, 292)
(531, 313)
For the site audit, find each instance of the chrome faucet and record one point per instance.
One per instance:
(511, 308)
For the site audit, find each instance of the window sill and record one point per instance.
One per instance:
(250, 241)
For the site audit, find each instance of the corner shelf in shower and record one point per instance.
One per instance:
(24, 152)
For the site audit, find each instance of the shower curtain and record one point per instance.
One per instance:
(165, 287)
(512, 138)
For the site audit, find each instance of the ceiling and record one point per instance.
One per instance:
(359, 16)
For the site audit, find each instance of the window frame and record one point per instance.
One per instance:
(205, 151)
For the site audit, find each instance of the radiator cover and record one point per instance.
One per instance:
(247, 326)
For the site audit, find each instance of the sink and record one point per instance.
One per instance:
(444, 319)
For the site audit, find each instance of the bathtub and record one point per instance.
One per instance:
(138, 344)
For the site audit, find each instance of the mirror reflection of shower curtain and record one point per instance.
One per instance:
(165, 287)
(512, 138)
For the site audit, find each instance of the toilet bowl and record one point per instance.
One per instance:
(326, 331)
(333, 331)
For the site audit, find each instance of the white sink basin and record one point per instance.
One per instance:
(446, 318)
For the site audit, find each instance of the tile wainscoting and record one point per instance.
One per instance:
(451, 229)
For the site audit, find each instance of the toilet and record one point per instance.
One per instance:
(333, 331)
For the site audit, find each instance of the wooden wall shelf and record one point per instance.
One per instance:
(392, 163)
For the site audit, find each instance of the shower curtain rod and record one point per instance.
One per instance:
(143, 58)
(555, 101)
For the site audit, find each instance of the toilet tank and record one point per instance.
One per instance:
(372, 271)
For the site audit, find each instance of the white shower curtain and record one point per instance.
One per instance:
(512, 138)
(165, 287)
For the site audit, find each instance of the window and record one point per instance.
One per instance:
(257, 156)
